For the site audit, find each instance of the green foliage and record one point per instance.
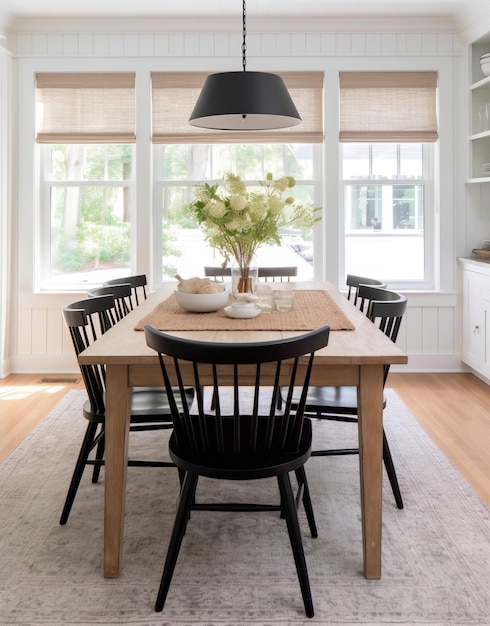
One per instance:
(105, 243)
(68, 258)
(170, 249)
(237, 220)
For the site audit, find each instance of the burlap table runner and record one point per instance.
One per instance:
(312, 309)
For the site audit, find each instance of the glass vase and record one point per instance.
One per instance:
(243, 279)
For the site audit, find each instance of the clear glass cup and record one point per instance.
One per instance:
(284, 300)
(265, 297)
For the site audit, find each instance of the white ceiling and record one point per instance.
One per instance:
(266, 8)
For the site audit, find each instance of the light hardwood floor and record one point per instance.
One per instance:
(454, 410)
(24, 401)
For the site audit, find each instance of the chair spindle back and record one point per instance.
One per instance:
(271, 433)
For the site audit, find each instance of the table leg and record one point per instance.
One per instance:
(117, 421)
(370, 403)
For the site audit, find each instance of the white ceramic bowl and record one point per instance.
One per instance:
(202, 302)
(485, 64)
(242, 312)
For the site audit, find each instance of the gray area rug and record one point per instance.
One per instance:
(237, 569)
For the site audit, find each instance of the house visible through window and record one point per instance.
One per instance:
(388, 126)
(91, 228)
(386, 187)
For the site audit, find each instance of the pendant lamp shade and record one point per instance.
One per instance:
(244, 101)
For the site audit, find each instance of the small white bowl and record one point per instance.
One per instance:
(202, 302)
(485, 65)
(242, 312)
(245, 297)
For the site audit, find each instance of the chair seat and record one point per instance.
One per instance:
(339, 400)
(148, 404)
(148, 401)
(248, 465)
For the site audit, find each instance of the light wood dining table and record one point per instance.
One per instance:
(353, 357)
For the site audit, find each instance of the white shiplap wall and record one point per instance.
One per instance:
(430, 333)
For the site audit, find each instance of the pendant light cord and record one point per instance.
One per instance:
(244, 41)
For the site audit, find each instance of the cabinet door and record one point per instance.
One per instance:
(475, 285)
(486, 336)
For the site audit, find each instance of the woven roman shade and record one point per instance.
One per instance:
(85, 108)
(174, 95)
(388, 107)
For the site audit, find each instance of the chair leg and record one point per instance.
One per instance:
(87, 445)
(186, 498)
(287, 499)
(310, 515)
(99, 456)
(182, 474)
(390, 469)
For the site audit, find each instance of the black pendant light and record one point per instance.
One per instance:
(244, 100)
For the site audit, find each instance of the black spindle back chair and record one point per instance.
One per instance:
(354, 282)
(239, 442)
(138, 284)
(87, 320)
(282, 273)
(385, 309)
(123, 303)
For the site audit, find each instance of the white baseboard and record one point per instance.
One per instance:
(43, 364)
(442, 363)
(5, 368)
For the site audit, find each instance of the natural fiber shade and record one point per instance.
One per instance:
(395, 107)
(244, 101)
(85, 107)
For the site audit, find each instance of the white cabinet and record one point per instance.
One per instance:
(476, 316)
(479, 106)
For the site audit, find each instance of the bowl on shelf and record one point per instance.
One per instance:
(485, 63)
(202, 302)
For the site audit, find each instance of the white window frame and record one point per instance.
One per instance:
(431, 214)
(42, 279)
(159, 184)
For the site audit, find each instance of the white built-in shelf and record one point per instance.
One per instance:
(484, 82)
(481, 135)
(479, 97)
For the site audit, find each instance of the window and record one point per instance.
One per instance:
(186, 155)
(87, 207)
(388, 126)
(387, 191)
(85, 125)
(86, 135)
(179, 167)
